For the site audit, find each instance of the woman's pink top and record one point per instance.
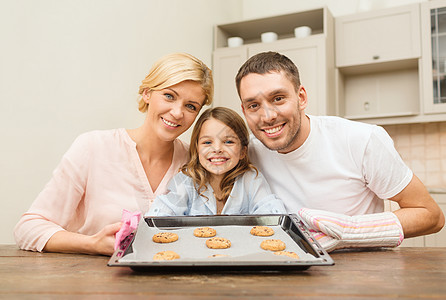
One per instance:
(99, 176)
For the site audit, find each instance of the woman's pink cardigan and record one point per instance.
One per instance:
(99, 176)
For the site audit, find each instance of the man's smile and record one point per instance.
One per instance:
(274, 131)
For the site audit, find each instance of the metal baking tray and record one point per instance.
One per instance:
(138, 249)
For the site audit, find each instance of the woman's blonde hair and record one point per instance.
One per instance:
(173, 69)
(195, 170)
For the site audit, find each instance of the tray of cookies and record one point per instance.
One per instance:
(260, 242)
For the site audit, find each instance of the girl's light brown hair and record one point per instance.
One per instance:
(196, 171)
(173, 69)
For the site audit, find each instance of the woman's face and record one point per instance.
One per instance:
(172, 110)
(219, 148)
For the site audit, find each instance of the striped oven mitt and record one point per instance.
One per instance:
(336, 231)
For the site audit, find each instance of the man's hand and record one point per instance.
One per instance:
(336, 231)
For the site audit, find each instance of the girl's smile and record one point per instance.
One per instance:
(218, 160)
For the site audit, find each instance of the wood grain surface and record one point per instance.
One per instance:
(404, 273)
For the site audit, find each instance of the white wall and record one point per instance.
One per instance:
(70, 66)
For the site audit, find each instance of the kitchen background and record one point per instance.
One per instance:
(423, 148)
(70, 66)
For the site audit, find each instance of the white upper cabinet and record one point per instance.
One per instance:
(378, 58)
(378, 36)
(433, 17)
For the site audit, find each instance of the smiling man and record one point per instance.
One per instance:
(334, 172)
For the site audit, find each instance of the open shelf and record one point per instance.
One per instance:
(283, 25)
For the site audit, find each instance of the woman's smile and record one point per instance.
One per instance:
(170, 124)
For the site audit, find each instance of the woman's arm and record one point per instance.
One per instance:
(56, 207)
(69, 242)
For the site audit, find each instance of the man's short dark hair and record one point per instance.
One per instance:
(267, 62)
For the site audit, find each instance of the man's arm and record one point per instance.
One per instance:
(419, 214)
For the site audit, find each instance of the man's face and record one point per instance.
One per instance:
(273, 109)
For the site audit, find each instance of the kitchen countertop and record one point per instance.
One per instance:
(394, 273)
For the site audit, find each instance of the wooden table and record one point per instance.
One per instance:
(399, 273)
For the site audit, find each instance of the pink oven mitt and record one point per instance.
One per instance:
(129, 222)
(336, 231)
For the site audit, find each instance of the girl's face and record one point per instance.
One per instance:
(219, 148)
(172, 110)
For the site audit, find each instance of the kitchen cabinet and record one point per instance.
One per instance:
(377, 58)
(378, 36)
(433, 16)
(313, 55)
(225, 66)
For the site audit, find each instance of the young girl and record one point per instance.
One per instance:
(219, 178)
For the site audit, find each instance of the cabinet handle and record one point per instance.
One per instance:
(375, 57)
(366, 106)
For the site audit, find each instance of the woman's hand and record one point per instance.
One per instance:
(101, 243)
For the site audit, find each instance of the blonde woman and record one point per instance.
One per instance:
(105, 172)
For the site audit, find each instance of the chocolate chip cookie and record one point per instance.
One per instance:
(287, 253)
(205, 232)
(165, 237)
(273, 245)
(218, 243)
(262, 231)
(166, 255)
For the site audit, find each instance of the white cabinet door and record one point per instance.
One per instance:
(308, 55)
(378, 36)
(433, 22)
(227, 62)
(384, 94)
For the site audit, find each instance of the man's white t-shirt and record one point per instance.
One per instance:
(344, 166)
